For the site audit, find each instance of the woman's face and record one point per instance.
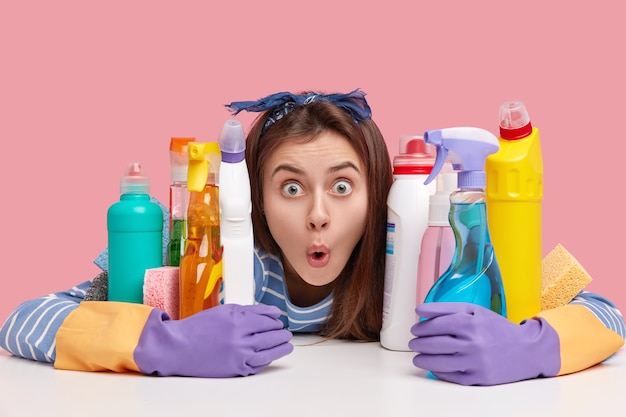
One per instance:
(315, 198)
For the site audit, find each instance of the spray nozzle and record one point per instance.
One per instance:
(178, 158)
(465, 147)
(232, 141)
(203, 161)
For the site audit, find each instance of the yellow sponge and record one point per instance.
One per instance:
(562, 278)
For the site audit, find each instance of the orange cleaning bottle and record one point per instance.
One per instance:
(200, 266)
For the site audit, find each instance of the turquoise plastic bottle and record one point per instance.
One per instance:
(135, 236)
(473, 275)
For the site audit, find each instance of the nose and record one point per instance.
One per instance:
(318, 217)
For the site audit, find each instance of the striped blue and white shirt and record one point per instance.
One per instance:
(603, 309)
(30, 329)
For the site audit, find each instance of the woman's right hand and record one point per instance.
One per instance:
(224, 341)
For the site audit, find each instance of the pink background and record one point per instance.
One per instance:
(86, 88)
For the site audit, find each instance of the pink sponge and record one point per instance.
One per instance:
(160, 289)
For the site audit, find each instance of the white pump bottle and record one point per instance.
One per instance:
(236, 216)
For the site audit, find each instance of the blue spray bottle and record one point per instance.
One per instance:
(474, 275)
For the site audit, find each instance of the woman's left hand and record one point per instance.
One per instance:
(470, 345)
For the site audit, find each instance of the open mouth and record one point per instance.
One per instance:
(318, 259)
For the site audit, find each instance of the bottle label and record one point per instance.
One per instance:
(391, 229)
(390, 265)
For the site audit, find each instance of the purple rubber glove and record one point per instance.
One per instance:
(224, 341)
(471, 345)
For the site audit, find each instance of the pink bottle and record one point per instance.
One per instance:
(438, 242)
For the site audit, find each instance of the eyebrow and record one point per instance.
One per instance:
(344, 165)
(335, 168)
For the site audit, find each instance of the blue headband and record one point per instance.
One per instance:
(280, 104)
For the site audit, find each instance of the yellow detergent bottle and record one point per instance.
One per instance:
(514, 196)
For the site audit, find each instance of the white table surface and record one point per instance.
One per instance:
(334, 378)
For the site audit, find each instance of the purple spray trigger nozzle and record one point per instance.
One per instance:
(434, 138)
(468, 148)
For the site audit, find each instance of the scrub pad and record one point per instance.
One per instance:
(99, 289)
(160, 289)
(562, 278)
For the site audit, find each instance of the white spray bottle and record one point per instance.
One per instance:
(236, 217)
(407, 220)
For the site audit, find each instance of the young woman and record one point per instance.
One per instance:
(320, 174)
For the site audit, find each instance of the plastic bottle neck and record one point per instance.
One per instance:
(472, 179)
(468, 196)
(134, 196)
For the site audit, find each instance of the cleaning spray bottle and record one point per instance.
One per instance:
(200, 266)
(514, 195)
(407, 220)
(135, 236)
(179, 163)
(473, 275)
(236, 216)
(438, 243)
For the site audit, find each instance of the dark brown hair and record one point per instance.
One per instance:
(358, 291)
